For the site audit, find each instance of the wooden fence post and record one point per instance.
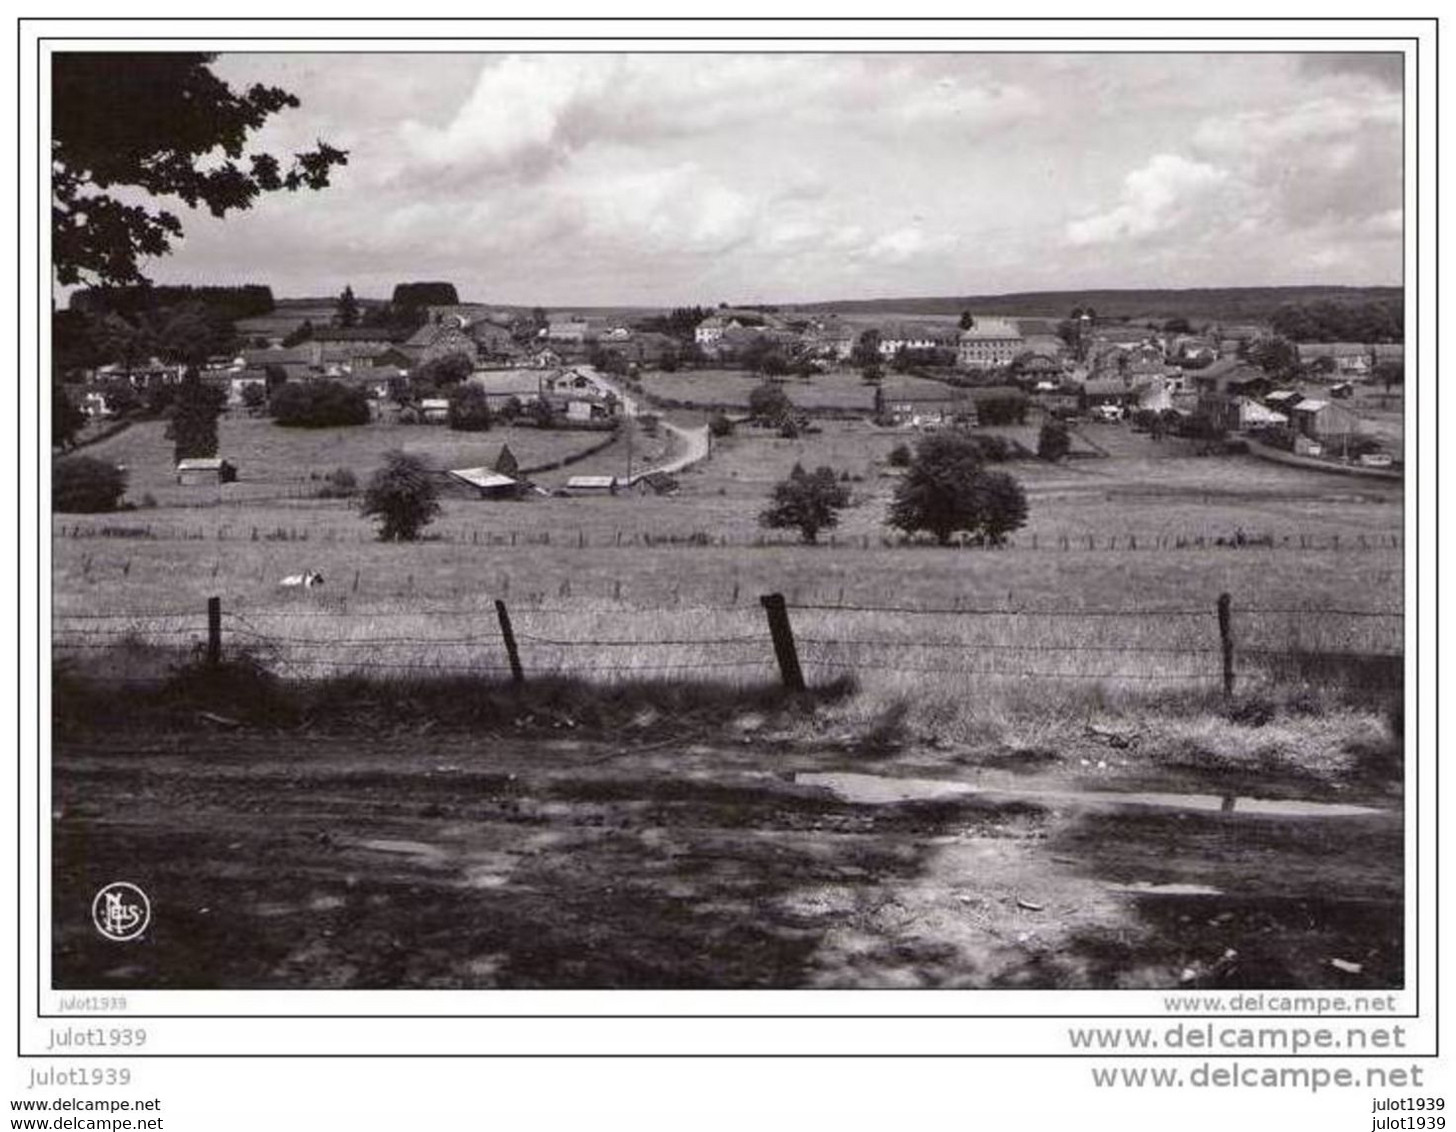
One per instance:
(1226, 640)
(214, 631)
(508, 635)
(783, 641)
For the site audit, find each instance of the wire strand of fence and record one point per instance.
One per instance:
(756, 639)
(978, 646)
(969, 611)
(1003, 675)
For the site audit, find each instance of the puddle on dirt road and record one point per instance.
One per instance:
(426, 854)
(871, 789)
(874, 789)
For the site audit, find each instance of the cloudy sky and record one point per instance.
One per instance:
(667, 179)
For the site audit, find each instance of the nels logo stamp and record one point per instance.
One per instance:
(121, 911)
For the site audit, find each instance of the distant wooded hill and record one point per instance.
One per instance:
(1198, 305)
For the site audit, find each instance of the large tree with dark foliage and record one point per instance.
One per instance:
(194, 418)
(347, 308)
(318, 404)
(946, 489)
(401, 495)
(424, 295)
(1335, 321)
(66, 418)
(164, 125)
(807, 501)
(83, 485)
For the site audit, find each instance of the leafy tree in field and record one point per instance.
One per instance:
(67, 419)
(1054, 441)
(899, 456)
(441, 372)
(807, 501)
(194, 418)
(1000, 505)
(318, 404)
(255, 395)
(1390, 373)
(720, 425)
(81, 484)
(419, 295)
(541, 414)
(160, 125)
(122, 397)
(769, 403)
(347, 308)
(1278, 357)
(401, 496)
(866, 350)
(946, 489)
(967, 320)
(469, 409)
(1002, 409)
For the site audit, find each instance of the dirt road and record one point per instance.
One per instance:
(410, 861)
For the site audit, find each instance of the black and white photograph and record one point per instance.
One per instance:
(729, 519)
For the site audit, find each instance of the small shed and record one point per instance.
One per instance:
(199, 470)
(1324, 420)
(592, 485)
(435, 409)
(485, 483)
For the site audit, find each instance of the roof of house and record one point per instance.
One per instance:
(1255, 413)
(278, 356)
(991, 328)
(356, 334)
(431, 404)
(1310, 406)
(482, 477)
(1105, 387)
(591, 481)
(1283, 395)
(1333, 350)
(508, 382)
(200, 464)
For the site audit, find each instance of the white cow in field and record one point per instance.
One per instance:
(305, 581)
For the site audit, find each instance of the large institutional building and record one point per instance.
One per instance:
(989, 342)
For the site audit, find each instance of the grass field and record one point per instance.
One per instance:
(287, 463)
(1013, 767)
(670, 585)
(840, 390)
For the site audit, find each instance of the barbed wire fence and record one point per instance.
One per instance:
(1217, 645)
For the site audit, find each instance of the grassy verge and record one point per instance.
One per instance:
(1276, 737)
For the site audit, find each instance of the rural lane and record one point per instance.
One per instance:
(693, 441)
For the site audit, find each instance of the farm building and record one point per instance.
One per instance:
(921, 410)
(989, 342)
(501, 386)
(210, 470)
(1282, 400)
(592, 485)
(1324, 421)
(1348, 359)
(483, 483)
(656, 483)
(435, 409)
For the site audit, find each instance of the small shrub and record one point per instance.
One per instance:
(341, 483)
(720, 424)
(1054, 441)
(900, 456)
